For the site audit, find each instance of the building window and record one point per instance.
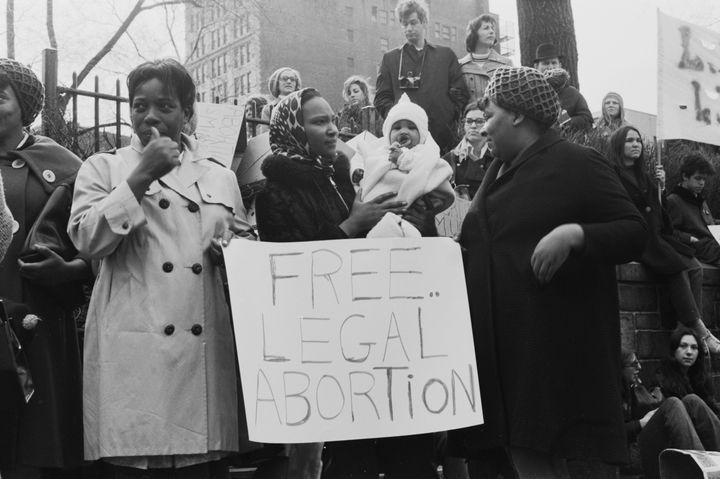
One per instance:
(384, 45)
(224, 30)
(349, 11)
(350, 62)
(224, 91)
(437, 30)
(224, 59)
(453, 34)
(351, 36)
(392, 16)
(373, 14)
(236, 83)
(247, 52)
(202, 96)
(446, 32)
(383, 14)
(212, 95)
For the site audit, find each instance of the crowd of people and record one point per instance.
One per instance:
(156, 391)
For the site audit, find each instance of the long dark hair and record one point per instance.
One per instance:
(696, 372)
(676, 381)
(616, 151)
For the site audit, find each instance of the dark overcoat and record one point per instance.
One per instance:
(442, 92)
(548, 356)
(663, 253)
(690, 216)
(50, 428)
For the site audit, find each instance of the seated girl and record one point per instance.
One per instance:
(407, 160)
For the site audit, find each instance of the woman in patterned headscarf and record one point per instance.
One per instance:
(6, 223)
(308, 196)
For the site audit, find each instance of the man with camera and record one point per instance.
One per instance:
(429, 74)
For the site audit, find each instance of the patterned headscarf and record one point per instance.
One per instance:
(287, 133)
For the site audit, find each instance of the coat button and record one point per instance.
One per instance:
(196, 329)
(125, 225)
(193, 207)
(164, 203)
(169, 329)
(167, 266)
(648, 209)
(197, 268)
(49, 176)
(15, 227)
(17, 164)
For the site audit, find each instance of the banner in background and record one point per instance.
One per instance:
(352, 339)
(218, 128)
(688, 81)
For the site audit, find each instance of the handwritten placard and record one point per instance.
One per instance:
(218, 128)
(352, 339)
(449, 222)
(688, 81)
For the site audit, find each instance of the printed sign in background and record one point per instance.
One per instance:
(353, 338)
(688, 81)
(218, 128)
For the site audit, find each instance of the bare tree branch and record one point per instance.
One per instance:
(50, 24)
(137, 48)
(168, 26)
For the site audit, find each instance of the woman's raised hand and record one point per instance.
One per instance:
(160, 156)
(365, 214)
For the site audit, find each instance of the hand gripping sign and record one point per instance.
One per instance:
(352, 339)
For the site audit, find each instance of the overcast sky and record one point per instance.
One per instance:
(616, 39)
(617, 44)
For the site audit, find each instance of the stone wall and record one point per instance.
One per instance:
(647, 318)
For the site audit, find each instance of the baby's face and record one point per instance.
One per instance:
(404, 132)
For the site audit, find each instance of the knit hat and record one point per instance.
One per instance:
(558, 78)
(405, 109)
(28, 89)
(274, 80)
(621, 111)
(524, 90)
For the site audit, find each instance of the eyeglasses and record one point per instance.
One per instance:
(635, 364)
(285, 79)
(475, 121)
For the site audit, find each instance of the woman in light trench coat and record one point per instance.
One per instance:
(159, 373)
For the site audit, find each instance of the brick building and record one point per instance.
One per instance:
(234, 45)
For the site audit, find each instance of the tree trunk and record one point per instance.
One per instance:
(10, 28)
(49, 23)
(548, 21)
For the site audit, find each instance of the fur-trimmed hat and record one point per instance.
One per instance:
(405, 109)
(28, 89)
(524, 90)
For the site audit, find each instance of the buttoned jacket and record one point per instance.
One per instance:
(159, 365)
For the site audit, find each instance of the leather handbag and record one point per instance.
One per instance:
(50, 230)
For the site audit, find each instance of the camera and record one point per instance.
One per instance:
(409, 82)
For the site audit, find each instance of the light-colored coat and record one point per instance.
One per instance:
(159, 372)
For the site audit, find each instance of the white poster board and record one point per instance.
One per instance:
(449, 222)
(352, 339)
(685, 464)
(218, 128)
(688, 81)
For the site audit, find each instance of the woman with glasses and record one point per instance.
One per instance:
(471, 157)
(281, 83)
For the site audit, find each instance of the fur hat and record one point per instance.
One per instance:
(405, 109)
(524, 90)
(28, 89)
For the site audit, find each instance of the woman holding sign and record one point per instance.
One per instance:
(309, 197)
(160, 389)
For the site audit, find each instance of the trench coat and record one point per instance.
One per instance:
(159, 366)
(548, 356)
(477, 74)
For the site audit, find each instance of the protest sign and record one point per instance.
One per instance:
(688, 81)
(352, 339)
(218, 128)
(450, 221)
(684, 464)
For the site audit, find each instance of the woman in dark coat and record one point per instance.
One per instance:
(49, 436)
(542, 236)
(666, 256)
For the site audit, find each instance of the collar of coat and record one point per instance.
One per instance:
(285, 170)
(493, 57)
(42, 155)
(546, 140)
(689, 196)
